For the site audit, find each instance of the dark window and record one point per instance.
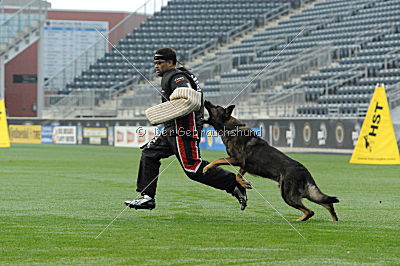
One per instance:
(25, 78)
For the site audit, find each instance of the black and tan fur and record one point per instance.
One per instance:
(255, 156)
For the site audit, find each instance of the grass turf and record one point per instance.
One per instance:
(56, 199)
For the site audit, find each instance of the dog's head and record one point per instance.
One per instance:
(220, 117)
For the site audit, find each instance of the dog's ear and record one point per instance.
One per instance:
(207, 103)
(229, 110)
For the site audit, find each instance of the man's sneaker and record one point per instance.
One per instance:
(240, 193)
(144, 202)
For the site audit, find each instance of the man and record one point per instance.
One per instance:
(180, 137)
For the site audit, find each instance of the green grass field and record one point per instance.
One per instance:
(56, 199)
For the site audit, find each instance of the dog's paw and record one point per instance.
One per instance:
(205, 169)
(249, 186)
(243, 182)
(246, 185)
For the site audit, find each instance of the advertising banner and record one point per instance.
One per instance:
(31, 134)
(210, 140)
(58, 135)
(64, 135)
(47, 134)
(95, 135)
(110, 131)
(310, 133)
(133, 136)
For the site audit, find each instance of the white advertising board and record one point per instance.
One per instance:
(133, 136)
(64, 135)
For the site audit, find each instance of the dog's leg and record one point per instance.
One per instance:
(331, 210)
(221, 161)
(307, 214)
(243, 182)
(292, 197)
(299, 205)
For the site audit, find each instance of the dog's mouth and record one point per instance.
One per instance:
(207, 121)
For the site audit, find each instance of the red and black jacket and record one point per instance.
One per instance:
(189, 125)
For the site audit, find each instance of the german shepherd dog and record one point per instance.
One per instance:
(255, 156)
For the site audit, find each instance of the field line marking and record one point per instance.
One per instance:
(134, 199)
(297, 231)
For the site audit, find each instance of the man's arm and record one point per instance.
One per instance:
(183, 100)
(179, 81)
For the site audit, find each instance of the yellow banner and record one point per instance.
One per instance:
(26, 134)
(4, 137)
(376, 143)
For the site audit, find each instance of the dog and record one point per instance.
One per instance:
(255, 156)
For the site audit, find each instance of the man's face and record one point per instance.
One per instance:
(162, 66)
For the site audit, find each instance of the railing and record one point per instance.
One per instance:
(308, 59)
(275, 13)
(276, 74)
(396, 57)
(201, 49)
(274, 43)
(78, 103)
(213, 66)
(265, 112)
(329, 88)
(22, 22)
(233, 33)
(249, 26)
(393, 93)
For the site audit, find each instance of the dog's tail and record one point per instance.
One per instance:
(317, 196)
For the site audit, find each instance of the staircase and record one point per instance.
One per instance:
(20, 29)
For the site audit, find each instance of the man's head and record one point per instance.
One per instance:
(164, 60)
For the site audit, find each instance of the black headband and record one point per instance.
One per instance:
(164, 57)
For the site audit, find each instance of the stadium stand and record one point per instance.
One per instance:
(330, 54)
(376, 60)
(365, 51)
(197, 27)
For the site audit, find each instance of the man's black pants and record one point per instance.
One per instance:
(186, 149)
